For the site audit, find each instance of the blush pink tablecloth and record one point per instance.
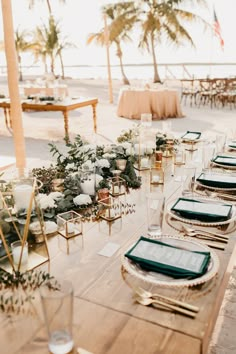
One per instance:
(161, 104)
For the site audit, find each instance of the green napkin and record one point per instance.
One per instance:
(225, 160)
(203, 211)
(191, 135)
(217, 180)
(177, 262)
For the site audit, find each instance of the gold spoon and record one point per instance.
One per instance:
(149, 301)
(147, 294)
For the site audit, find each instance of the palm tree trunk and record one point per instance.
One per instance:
(62, 66)
(120, 54)
(52, 65)
(156, 74)
(20, 68)
(49, 7)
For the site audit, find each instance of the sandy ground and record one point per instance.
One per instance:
(40, 128)
(43, 127)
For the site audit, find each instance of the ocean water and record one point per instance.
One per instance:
(143, 72)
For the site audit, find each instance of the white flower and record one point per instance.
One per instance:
(103, 163)
(88, 165)
(98, 179)
(109, 156)
(45, 201)
(70, 166)
(82, 199)
(149, 150)
(88, 148)
(56, 195)
(107, 148)
(126, 145)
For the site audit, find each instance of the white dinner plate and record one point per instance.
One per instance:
(198, 222)
(164, 280)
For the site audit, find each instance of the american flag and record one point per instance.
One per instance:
(217, 30)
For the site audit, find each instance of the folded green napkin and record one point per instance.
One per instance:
(161, 257)
(217, 180)
(202, 210)
(189, 135)
(225, 160)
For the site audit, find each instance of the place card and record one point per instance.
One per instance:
(217, 180)
(191, 135)
(161, 257)
(205, 211)
(225, 160)
(109, 249)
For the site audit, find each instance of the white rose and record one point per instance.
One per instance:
(103, 163)
(82, 199)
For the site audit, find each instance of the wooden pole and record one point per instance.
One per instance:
(12, 71)
(106, 33)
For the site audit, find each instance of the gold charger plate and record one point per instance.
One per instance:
(198, 222)
(163, 280)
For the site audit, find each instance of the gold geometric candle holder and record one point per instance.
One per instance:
(109, 209)
(20, 208)
(118, 186)
(156, 175)
(70, 225)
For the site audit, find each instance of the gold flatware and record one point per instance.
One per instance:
(210, 234)
(149, 301)
(219, 194)
(147, 294)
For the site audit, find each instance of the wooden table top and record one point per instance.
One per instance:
(106, 317)
(66, 105)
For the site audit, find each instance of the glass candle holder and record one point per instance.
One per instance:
(158, 157)
(118, 186)
(121, 164)
(109, 210)
(157, 176)
(69, 224)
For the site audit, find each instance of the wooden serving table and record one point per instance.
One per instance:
(162, 103)
(64, 107)
(106, 317)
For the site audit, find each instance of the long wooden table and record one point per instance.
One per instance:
(64, 107)
(106, 317)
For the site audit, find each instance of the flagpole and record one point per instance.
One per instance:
(107, 42)
(12, 76)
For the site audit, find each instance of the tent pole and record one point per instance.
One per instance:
(12, 75)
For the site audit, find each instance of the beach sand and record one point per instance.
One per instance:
(40, 128)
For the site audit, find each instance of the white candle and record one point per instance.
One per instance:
(70, 228)
(155, 179)
(110, 213)
(16, 252)
(88, 187)
(144, 162)
(22, 194)
(116, 190)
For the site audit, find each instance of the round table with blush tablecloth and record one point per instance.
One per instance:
(161, 103)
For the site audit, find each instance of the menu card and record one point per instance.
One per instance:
(158, 256)
(204, 211)
(191, 135)
(225, 160)
(217, 180)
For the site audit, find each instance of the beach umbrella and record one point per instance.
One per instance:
(12, 75)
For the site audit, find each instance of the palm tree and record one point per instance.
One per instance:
(123, 16)
(163, 20)
(49, 43)
(22, 44)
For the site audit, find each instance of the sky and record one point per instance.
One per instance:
(78, 18)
